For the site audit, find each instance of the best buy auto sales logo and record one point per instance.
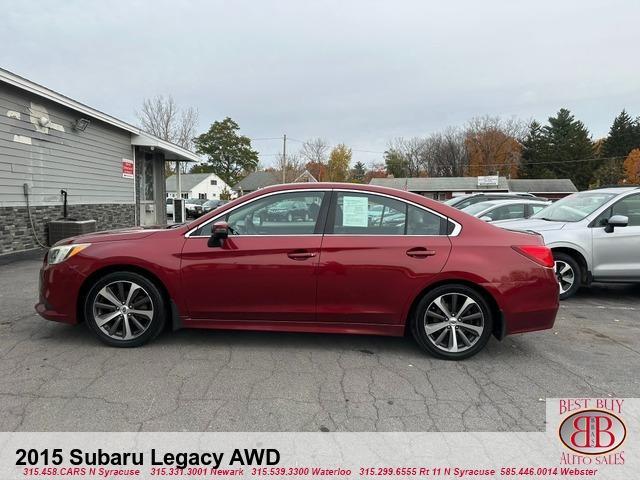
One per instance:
(593, 430)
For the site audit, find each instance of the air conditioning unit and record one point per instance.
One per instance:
(67, 227)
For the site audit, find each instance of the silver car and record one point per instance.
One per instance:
(495, 210)
(594, 236)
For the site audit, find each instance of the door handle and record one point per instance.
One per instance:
(300, 255)
(420, 252)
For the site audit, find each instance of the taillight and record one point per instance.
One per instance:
(538, 253)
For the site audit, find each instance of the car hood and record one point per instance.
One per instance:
(534, 224)
(111, 235)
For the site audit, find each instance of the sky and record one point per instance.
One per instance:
(358, 72)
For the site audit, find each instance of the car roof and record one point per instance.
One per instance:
(614, 189)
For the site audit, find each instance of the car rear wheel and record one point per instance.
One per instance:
(452, 322)
(125, 309)
(568, 274)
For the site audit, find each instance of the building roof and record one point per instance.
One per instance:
(256, 180)
(188, 181)
(542, 185)
(138, 137)
(439, 184)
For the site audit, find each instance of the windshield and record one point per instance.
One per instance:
(453, 201)
(478, 207)
(574, 207)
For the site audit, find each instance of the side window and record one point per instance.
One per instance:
(421, 222)
(506, 212)
(363, 214)
(293, 213)
(536, 208)
(629, 207)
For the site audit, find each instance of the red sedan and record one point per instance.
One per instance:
(362, 259)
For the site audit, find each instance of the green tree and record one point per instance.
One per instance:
(534, 154)
(395, 163)
(229, 153)
(358, 172)
(339, 161)
(201, 168)
(624, 136)
(568, 140)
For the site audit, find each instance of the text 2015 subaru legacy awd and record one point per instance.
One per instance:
(362, 259)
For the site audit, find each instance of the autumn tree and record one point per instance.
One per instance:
(493, 145)
(376, 171)
(162, 117)
(632, 167)
(229, 153)
(339, 161)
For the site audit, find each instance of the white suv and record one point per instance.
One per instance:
(594, 235)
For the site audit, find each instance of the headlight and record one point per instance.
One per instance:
(63, 252)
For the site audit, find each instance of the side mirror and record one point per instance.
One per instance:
(486, 218)
(219, 234)
(616, 221)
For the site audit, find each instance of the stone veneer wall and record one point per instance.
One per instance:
(15, 229)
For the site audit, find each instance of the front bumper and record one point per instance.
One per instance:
(58, 293)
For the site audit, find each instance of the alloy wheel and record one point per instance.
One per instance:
(454, 322)
(123, 310)
(566, 276)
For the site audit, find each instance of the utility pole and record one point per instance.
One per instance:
(284, 158)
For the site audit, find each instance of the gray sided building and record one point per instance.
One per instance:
(112, 171)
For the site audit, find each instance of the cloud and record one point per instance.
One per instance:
(359, 72)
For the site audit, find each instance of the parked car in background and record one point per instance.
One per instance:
(447, 277)
(193, 207)
(594, 236)
(170, 207)
(463, 201)
(212, 205)
(289, 211)
(505, 209)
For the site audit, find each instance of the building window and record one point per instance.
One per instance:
(202, 196)
(185, 195)
(214, 182)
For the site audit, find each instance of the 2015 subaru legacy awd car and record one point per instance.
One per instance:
(367, 260)
(594, 236)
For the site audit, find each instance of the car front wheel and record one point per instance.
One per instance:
(452, 322)
(124, 309)
(568, 274)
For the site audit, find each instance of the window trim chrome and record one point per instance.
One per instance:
(454, 233)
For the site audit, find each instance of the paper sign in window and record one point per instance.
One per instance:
(355, 211)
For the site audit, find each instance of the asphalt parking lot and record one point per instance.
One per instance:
(59, 378)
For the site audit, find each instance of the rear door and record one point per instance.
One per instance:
(378, 253)
(616, 255)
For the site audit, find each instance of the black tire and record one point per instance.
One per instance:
(419, 322)
(155, 303)
(562, 258)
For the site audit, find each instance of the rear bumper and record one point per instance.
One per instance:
(527, 306)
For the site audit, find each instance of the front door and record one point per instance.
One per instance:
(616, 255)
(267, 269)
(378, 253)
(147, 185)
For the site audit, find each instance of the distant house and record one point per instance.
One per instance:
(443, 188)
(196, 185)
(261, 179)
